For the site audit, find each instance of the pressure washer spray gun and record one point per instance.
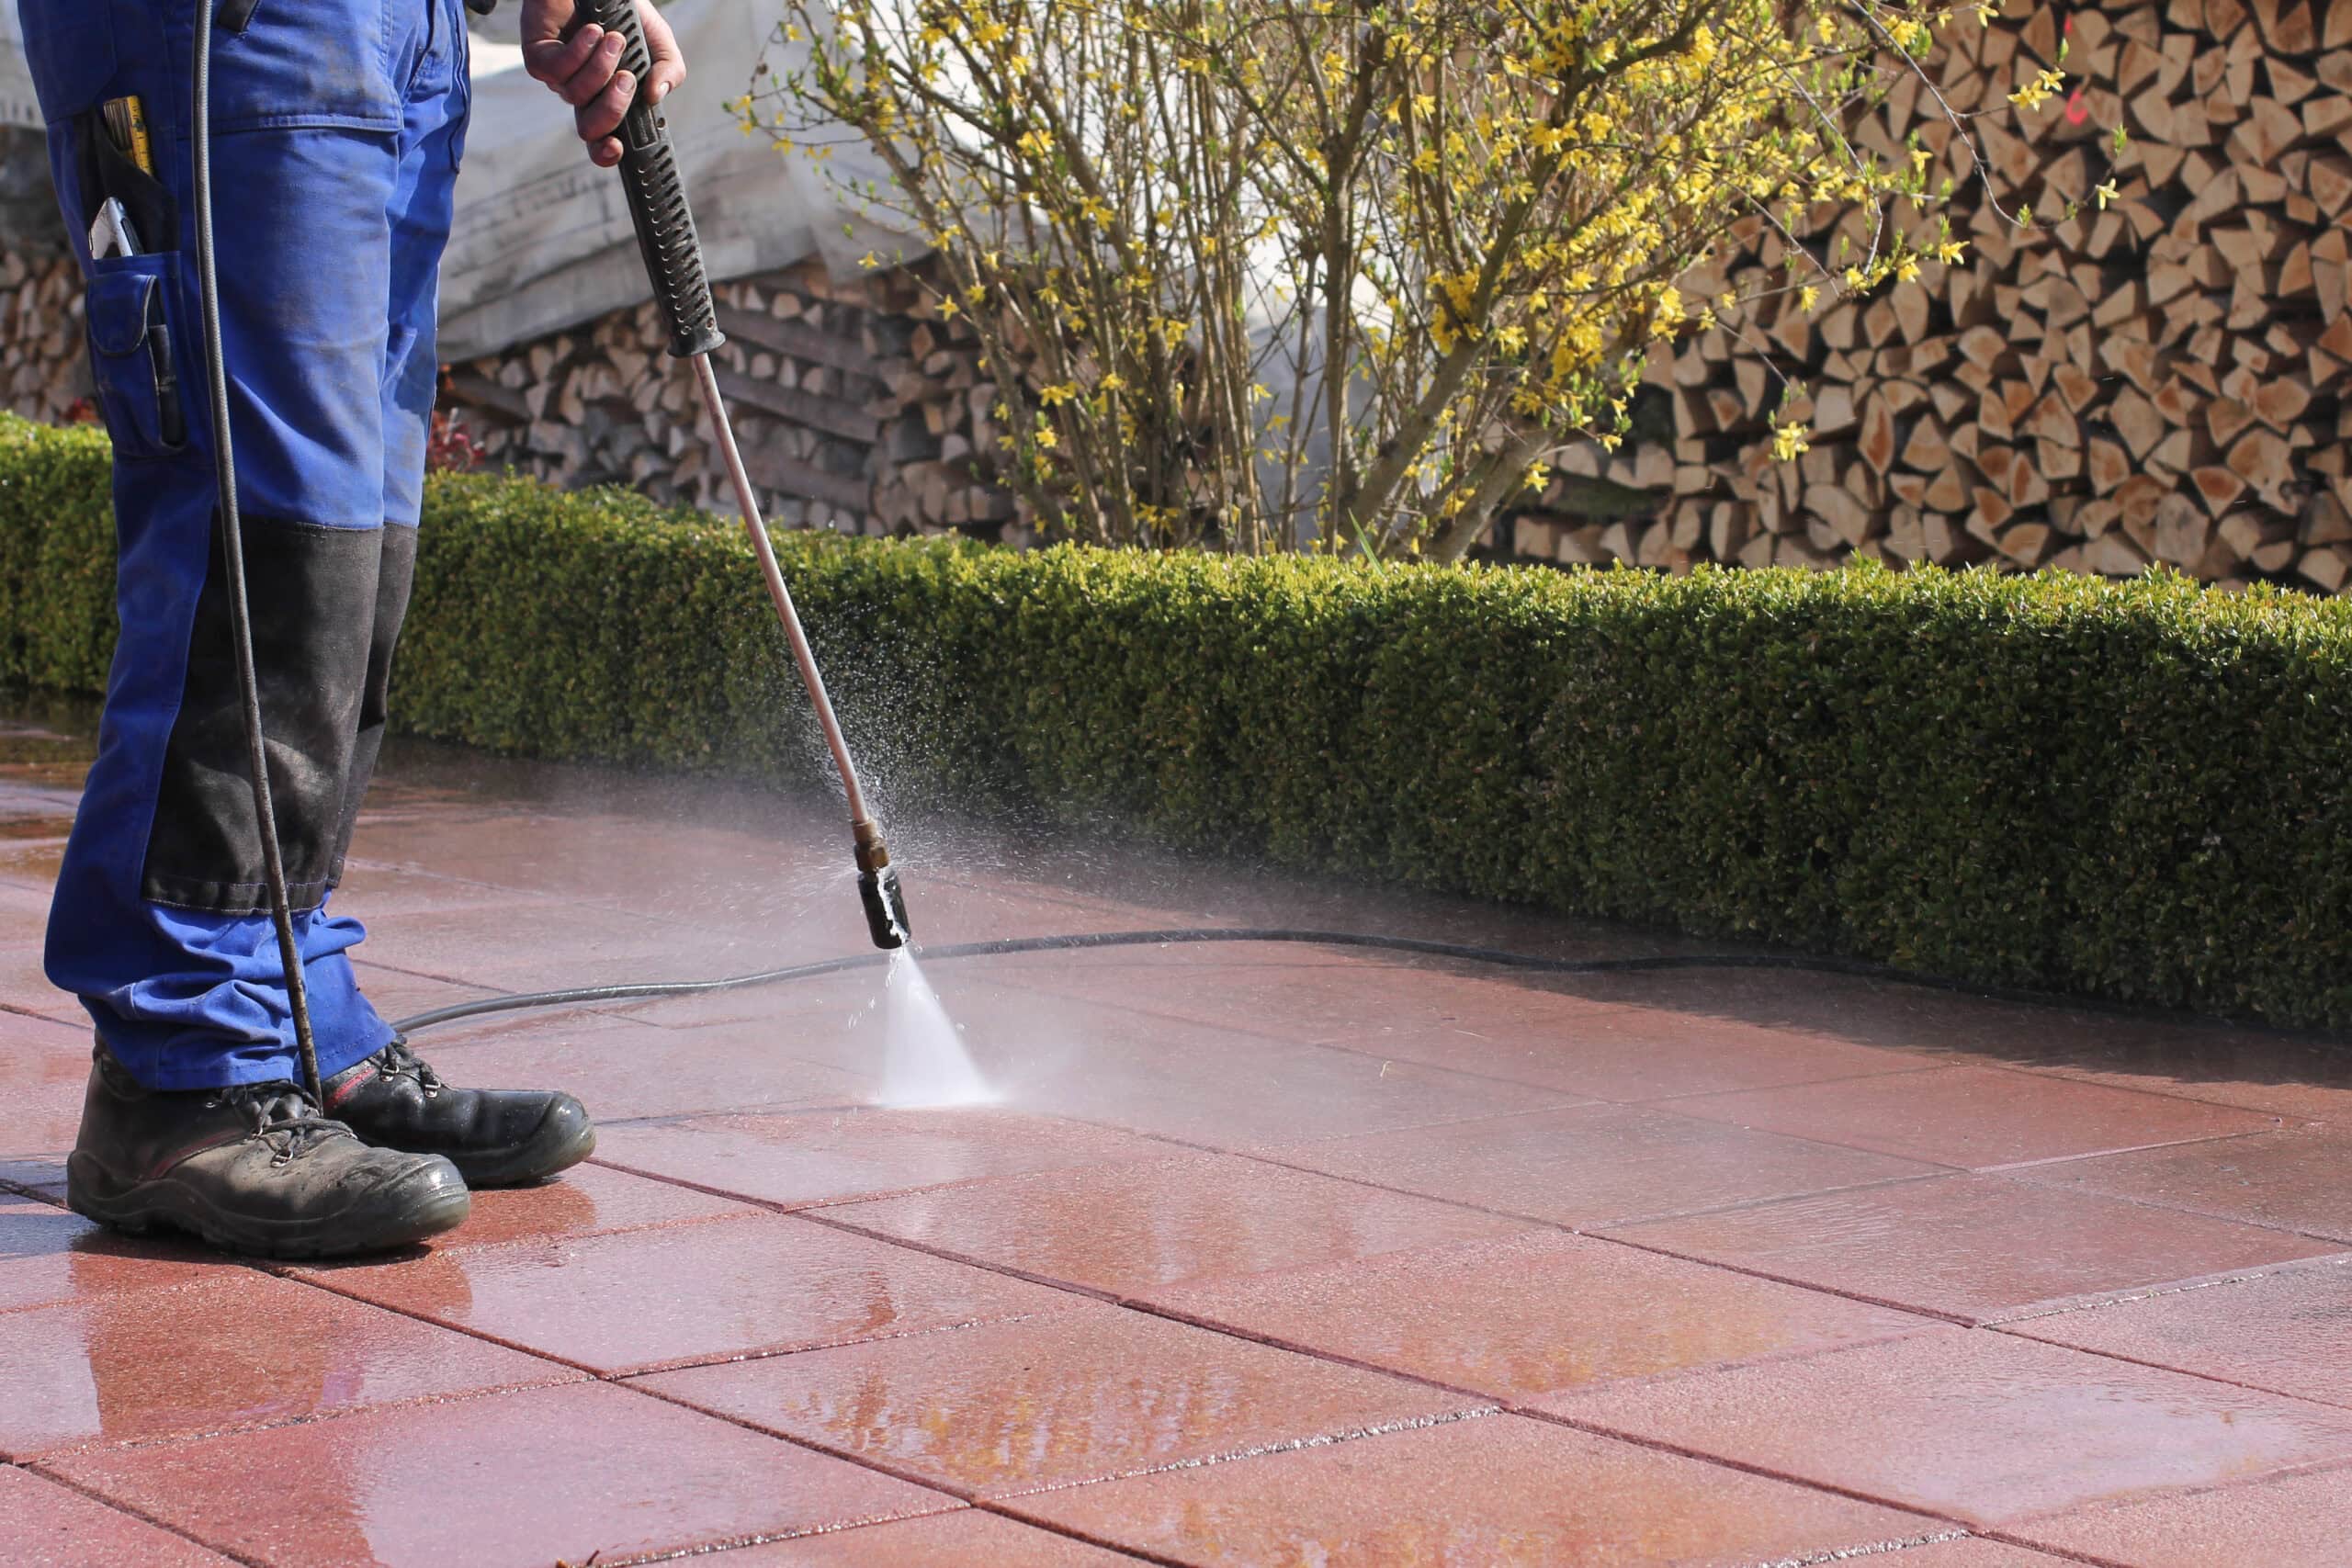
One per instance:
(665, 232)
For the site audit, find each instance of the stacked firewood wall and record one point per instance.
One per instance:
(857, 406)
(2160, 378)
(44, 366)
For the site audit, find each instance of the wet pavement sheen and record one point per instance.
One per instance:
(1266, 1253)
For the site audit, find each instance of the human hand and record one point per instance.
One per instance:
(580, 62)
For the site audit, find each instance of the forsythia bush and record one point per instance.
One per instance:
(2140, 791)
(1344, 273)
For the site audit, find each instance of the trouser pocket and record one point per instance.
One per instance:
(133, 357)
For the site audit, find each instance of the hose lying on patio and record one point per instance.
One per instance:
(653, 990)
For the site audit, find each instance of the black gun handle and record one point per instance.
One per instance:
(657, 198)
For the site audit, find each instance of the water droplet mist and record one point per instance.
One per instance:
(924, 1060)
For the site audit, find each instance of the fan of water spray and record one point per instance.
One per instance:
(924, 1060)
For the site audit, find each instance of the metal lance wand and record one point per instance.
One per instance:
(665, 233)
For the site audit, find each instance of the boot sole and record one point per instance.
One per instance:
(544, 1154)
(395, 1219)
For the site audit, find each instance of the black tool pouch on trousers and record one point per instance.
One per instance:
(131, 356)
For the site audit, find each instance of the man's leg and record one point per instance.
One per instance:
(159, 922)
(494, 1137)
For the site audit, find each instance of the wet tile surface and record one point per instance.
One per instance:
(796, 1160)
(2290, 1331)
(1973, 1246)
(44, 1525)
(48, 1254)
(1217, 1087)
(1979, 1427)
(1977, 1117)
(1534, 1313)
(2292, 1180)
(966, 1539)
(697, 1292)
(1095, 1393)
(589, 1199)
(621, 1069)
(1598, 1165)
(1500, 1490)
(1337, 1185)
(1133, 1229)
(44, 1069)
(237, 1349)
(2292, 1522)
(514, 1478)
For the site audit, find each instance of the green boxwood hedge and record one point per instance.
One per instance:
(2142, 792)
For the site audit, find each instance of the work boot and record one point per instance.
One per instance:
(254, 1169)
(494, 1137)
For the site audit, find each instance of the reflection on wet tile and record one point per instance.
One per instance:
(2297, 1180)
(1208, 1086)
(1981, 1427)
(680, 1293)
(1130, 1229)
(1500, 1491)
(1092, 1393)
(1972, 1246)
(807, 1157)
(967, 1538)
(1971, 1553)
(43, 1525)
(503, 1479)
(1976, 1117)
(2300, 1521)
(1534, 1313)
(587, 1200)
(237, 1349)
(2290, 1331)
(621, 1069)
(48, 1254)
(1596, 1165)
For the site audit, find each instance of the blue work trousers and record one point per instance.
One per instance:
(337, 126)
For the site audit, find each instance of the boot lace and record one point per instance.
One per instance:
(281, 1116)
(398, 1060)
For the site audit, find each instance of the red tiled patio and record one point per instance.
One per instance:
(1269, 1254)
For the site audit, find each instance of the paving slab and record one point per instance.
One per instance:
(48, 1254)
(44, 1525)
(1500, 1491)
(675, 1295)
(1212, 1087)
(1130, 1230)
(1981, 1427)
(2302, 1522)
(832, 1156)
(2292, 1180)
(1973, 1248)
(503, 1479)
(1597, 1164)
(2289, 1331)
(964, 1539)
(1533, 1314)
(234, 1349)
(1094, 1392)
(1980, 1117)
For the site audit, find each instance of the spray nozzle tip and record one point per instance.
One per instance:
(885, 907)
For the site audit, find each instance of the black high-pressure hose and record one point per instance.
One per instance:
(233, 556)
(654, 991)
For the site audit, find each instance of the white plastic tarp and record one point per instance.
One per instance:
(542, 239)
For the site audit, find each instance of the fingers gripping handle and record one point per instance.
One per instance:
(657, 198)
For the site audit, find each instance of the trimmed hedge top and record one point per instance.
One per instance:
(2137, 790)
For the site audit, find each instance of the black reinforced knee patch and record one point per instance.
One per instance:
(313, 592)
